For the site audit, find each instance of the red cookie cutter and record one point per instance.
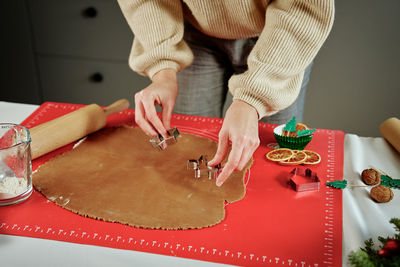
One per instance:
(303, 179)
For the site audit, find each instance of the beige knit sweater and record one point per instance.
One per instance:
(290, 34)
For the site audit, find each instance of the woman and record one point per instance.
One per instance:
(260, 50)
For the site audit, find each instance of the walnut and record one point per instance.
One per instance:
(371, 177)
(381, 194)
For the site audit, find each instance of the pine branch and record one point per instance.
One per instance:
(368, 256)
(360, 258)
(396, 222)
(338, 184)
(291, 125)
(383, 240)
(369, 244)
(305, 132)
(390, 182)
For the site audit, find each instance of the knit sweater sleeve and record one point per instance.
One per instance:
(294, 32)
(158, 30)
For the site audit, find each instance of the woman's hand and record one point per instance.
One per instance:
(162, 91)
(240, 127)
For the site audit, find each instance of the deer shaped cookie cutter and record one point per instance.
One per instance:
(197, 164)
(161, 143)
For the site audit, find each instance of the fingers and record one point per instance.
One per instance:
(140, 119)
(248, 151)
(242, 151)
(241, 128)
(232, 163)
(146, 115)
(222, 150)
(166, 116)
(151, 115)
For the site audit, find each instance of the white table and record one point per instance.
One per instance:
(362, 218)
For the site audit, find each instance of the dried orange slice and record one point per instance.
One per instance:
(298, 158)
(312, 157)
(280, 154)
(289, 134)
(301, 126)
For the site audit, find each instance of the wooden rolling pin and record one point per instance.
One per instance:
(390, 129)
(66, 129)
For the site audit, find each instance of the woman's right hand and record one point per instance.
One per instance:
(162, 91)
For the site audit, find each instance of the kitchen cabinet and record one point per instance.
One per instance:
(90, 29)
(74, 80)
(18, 73)
(80, 50)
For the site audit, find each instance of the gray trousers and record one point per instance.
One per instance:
(203, 86)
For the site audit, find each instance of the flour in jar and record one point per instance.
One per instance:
(12, 186)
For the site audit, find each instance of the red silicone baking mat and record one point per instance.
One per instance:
(272, 225)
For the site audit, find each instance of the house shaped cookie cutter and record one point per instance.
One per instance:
(197, 165)
(161, 143)
(304, 179)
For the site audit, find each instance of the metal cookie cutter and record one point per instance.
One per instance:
(161, 143)
(213, 172)
(202, 164)
(193, 164)
(303, 179)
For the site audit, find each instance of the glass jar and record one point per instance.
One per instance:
(15, 164)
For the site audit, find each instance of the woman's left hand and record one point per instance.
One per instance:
(240, 128)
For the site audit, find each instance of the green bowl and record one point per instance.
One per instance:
(297, 143)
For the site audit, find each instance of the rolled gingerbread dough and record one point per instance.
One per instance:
(115, 175)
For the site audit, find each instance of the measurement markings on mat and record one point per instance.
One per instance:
(130, 242)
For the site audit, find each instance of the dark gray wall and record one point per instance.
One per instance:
(355, 84)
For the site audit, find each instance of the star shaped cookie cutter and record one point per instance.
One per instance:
(202, 163)
(161, 143)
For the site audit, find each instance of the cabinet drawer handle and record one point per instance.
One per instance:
(90, 12)
(96, 77)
